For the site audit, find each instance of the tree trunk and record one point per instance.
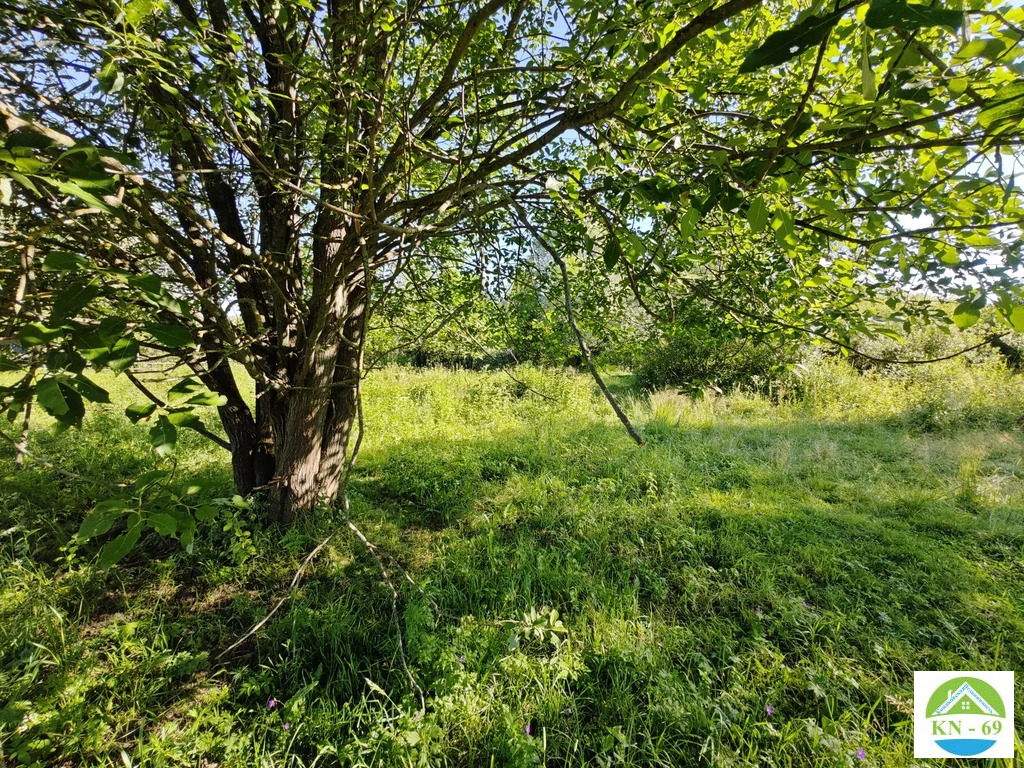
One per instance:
(251, 464)
(316, 414)
(22, 447)
(343, 409)
(294, 489)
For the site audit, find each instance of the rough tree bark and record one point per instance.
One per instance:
(293, 451)
(319, 410)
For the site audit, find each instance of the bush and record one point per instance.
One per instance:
(936, 341)
(695, 358)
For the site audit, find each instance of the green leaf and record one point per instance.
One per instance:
(96, 524)
(111, 329)
(1008, 106)
(185, 418)
(102, 516)
(93, 178)
(28, 139)
(883, 14)
(138, 411)
(25, 182)
(76, 408)
(92, 348)
(147, 283)
(89, 390)
(29, 164)
(966, 314)
(869, 88)
(183, 520)
(782, 46)
(73, 189)
(949, 255)
(171, 335)
(75, 297)
(757, 214)
(612, 252)
(116, 549)
(152, 287)
(985, 47)
(162, 436)
(36, 334)
(122, 355)
(61, 402)
(163, 523)
(50, 395)
(185, 389)
(688, 224)
(63, 261)
(148, 478)
(1016, 318)
(785, 229)
(193, 392)
(206, 513)
(7, 365)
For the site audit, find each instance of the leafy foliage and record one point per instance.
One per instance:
(693, 358)
(152, 503)
(900, 13)
(784, 45)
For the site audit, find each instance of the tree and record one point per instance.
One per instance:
(245, 180)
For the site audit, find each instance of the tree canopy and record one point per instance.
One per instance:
(192, 184)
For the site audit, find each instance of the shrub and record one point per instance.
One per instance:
(698, 357)
(988, 342)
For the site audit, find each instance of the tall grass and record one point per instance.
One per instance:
(597, 604)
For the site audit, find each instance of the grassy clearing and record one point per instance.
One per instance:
(805, 557)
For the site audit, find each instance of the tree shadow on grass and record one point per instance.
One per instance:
(832, 551)
(720, 567)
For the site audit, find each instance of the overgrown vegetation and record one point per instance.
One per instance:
(755, 586)
(196, 185)
(219, 220)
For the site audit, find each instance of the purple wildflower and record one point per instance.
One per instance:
(462, 659)
(768, 710)
(287, 726)
(861, 754)
(804, 604)
(527, 729)
(271, 703)
(757, 609)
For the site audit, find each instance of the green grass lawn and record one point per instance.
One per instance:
(754, 587)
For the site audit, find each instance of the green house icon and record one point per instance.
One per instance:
(963, 697)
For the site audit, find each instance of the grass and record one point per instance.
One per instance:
(598, 604)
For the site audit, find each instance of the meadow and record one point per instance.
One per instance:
(755, 586)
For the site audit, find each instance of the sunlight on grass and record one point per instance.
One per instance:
(804, 556)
